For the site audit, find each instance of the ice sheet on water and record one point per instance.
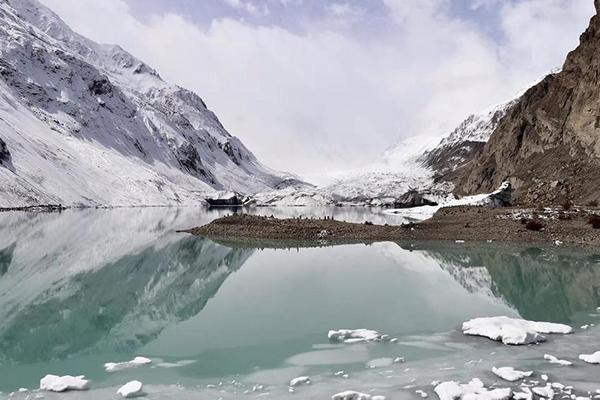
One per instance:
(512, 330)
(136, 362)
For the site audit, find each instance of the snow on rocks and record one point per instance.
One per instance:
(131, 389)
(55, 383)
(474, 390)
(512, 330)
(556, 360)
(354, 395)
(353, 335)
(510, 374)
(136, 362)
(301, 380)
(593, 358)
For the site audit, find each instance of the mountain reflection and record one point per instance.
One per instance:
(111, 281)
(117, 306)
(123, 305)
(550, 284)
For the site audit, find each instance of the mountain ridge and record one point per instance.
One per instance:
(88, 124)
(548, 146)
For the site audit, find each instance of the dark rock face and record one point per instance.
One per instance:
(5, 157)
(100, 86)
(413, 198)
(189, 159)
(548, 145)
(227, 201)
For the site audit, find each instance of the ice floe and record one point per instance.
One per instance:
(593, 358)
(354, 395)
(353, 335)
(510, 374)
(512, 330)
(380, 362)
(556, 360)
(55, 383)
(131, 389)
(474, 390)
(301, 380)
(544, 391)
(136, 362)
(526, 394)
(181, 363)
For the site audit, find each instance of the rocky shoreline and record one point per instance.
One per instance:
(462, 223)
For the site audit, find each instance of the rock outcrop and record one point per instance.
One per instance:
(413, 198)
(548, 145)
(4, 154)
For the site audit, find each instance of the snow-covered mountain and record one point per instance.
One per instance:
(425, 164)
(84, 123)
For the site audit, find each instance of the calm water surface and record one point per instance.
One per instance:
(81, 288)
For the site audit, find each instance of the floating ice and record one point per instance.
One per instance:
(545, 391)
(353, 335)
(526, 394)
(380, 362)
(301, 380)
(510, 374)
(181, 363)
(555, 360)
(54, 383)
(474, 390)
(136, 362)
(593, 358)
(512, 330)
(353, 395)
(341, 374)
(421, 393)
(131, 389)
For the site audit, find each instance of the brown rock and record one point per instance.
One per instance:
(552, 134)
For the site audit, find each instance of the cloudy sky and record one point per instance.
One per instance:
(316, 86)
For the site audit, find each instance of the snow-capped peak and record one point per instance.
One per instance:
(85, 123)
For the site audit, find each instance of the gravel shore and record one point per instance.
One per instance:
(465, 223)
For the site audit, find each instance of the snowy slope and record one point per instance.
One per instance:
(83, 123)
(423, 163)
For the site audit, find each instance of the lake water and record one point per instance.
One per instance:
(85, 287)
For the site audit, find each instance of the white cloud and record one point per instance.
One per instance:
(249, 7)
(329, 98)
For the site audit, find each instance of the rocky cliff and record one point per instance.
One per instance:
(548, 145)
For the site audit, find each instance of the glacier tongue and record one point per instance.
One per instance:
(89, 124)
